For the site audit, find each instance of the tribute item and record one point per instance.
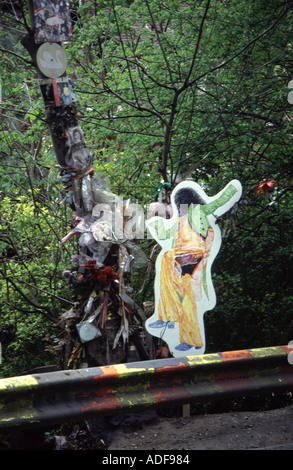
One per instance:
(189, 242)
(52, 21)
(51, 60)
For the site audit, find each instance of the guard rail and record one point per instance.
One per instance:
(40, 400)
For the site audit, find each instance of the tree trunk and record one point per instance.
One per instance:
(99, 325)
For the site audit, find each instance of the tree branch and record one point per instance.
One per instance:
(160, 42)
(197, 44)
(234, 56)
(2, 49)
(45, 310)
(263, 209)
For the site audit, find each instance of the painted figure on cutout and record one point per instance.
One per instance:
(190, 241)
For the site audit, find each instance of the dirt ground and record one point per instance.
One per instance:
(226, 431)
(147, 430)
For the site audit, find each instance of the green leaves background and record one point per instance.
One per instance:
(167, 90)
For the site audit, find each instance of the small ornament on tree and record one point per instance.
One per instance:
(265, 187)
(52, 21)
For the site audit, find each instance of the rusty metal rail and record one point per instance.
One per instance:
(58, 397)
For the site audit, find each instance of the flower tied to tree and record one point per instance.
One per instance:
(265, 187)
(104, 276)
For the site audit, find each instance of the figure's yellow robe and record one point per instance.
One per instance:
(191, 238)
(179, 292)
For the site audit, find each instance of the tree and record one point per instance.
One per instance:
(31, 216)
(95, 291)
(166, 90)
(211, 105)
(162, 90)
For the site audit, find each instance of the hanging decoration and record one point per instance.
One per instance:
(57, 92)
(51, 60)
(265, 187)
(52, 21)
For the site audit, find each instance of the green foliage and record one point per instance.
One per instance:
(217, 78)
(162, 89)
(31, 267)
(32, 221)
(166, 90)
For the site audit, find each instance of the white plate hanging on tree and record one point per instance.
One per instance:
(51, 60)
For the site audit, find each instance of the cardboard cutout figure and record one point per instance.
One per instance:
(190, 241)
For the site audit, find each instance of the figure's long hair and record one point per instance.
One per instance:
(186, 196)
